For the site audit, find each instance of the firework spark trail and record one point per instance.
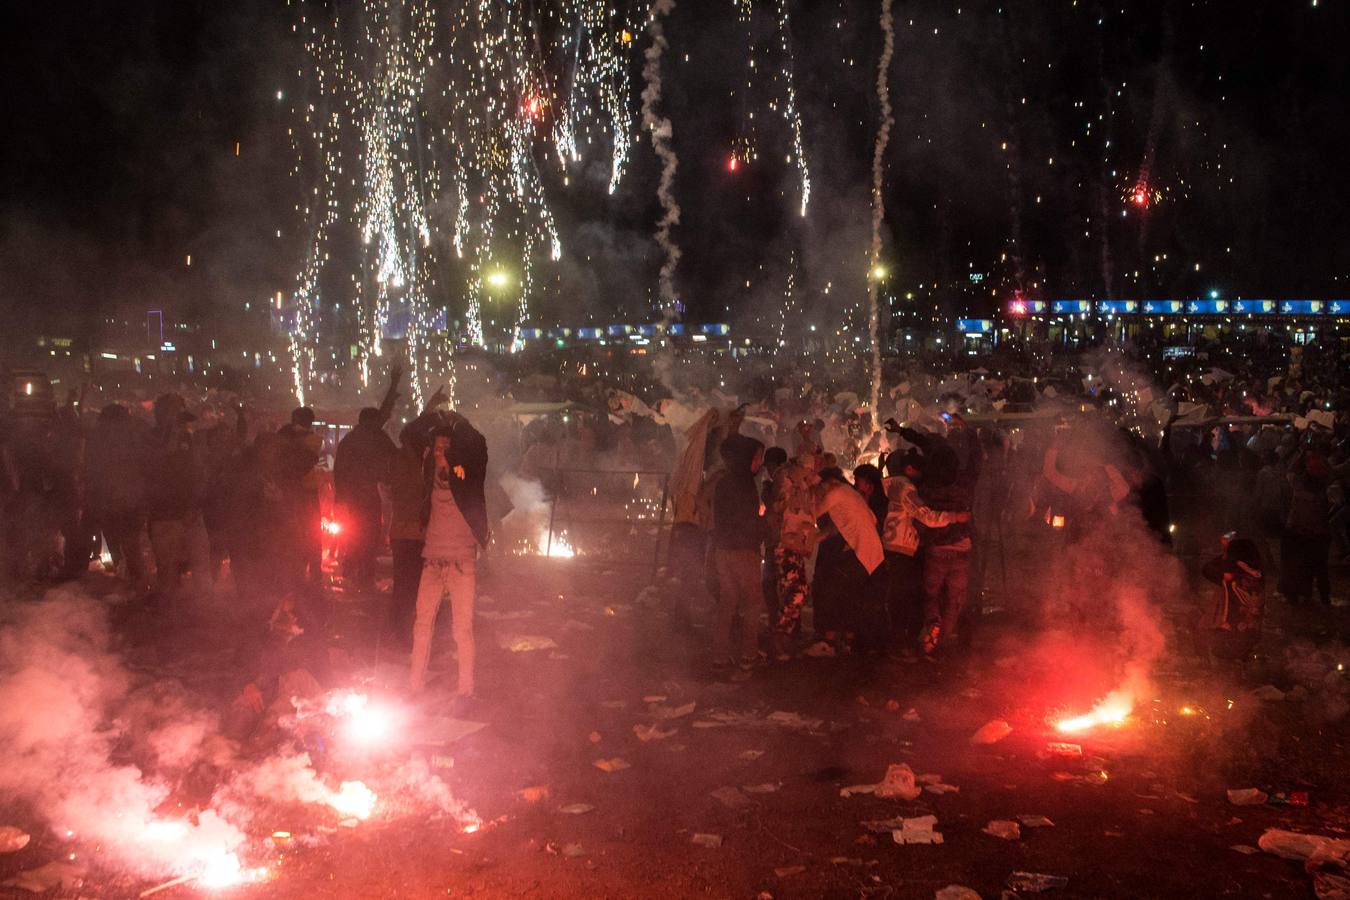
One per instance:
(661, 133)
(422, 125)
(790, 111)
(879, 204)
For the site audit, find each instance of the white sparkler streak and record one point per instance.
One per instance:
(790, 111)
(879, 203)
(660, 128)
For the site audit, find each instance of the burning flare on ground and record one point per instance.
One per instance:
(353, 799)
(1114, 710)
(558, 548)
(364, 722)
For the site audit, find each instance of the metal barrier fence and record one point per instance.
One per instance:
(606, 517)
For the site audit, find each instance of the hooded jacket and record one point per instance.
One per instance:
(467, 458)
(737, 523)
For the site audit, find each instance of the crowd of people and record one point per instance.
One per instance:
(786, 487)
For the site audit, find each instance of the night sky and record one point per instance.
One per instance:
(123, 118)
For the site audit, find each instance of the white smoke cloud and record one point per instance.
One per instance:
(95, 752)
(61, 685)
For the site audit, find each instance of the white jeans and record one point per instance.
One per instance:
(439, 577)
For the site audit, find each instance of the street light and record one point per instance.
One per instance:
(878, 272)
(497, 278)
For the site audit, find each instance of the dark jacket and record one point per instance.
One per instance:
(361, 464)
(737, 524)
(468, 451)
(175, 474)
(948, 486)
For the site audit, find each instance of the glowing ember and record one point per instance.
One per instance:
(332, 527)
(471, 828)
(559, 548)
(353, 799)
(1114, 710)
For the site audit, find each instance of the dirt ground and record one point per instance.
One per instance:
(1143, 812)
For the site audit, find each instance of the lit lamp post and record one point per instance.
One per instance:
(498, 281)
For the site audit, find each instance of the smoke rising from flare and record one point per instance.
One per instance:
(60, 684)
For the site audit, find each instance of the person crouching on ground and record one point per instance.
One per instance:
(455, 513)
(737, 545)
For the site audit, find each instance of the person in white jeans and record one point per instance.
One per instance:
(440, 577)
(450, 553)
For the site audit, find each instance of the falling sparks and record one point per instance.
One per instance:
(790, 112)
(423, 128)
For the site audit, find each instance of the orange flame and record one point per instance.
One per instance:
(1114, 710)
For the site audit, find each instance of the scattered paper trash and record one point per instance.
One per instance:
(769, 788)
(788, 871)
(1006, 829)
(655, 698)
(731, 798)
(991, 732)
(711, 841)
(572, 851)
(911, 715)
(576, 809)
(524, 643)
(956, 892)
(1289, 798)
(1247, 797)
(856, 789)
(793, 720)
(819, 650)
(1268, 692)
(12, 839)
(1244, 849)
(1068, 751)
(659, 711)
(750, 755)
(1035, 822)
(918, 830)
(652, 732)
(1327, 886)
(612, 765)
(1296, 845)
(941, 789)
(1035, 882)
(898, 784)
(533, 794)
